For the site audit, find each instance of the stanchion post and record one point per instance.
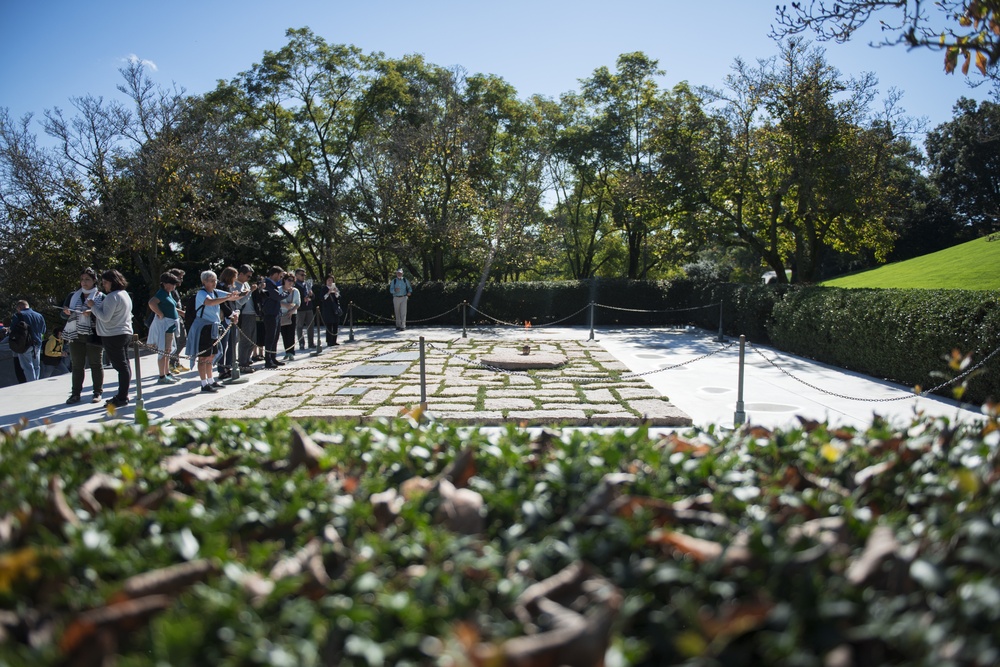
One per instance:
(138, 376)
(591, 320)
(234, 365)
(722, 338)
(423, 376)
(465, 306)
(740, 416)
(319, 341)
(350, 320)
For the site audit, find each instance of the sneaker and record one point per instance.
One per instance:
(96, 398)
(289, 357)
(73, 398)
(117, 401)
(246, 369)
(164, 380)
(218, 385)
(172, 378)
(208, 389)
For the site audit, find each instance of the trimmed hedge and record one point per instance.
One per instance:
(899, 335)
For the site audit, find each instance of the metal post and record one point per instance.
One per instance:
(722, 338)
(591, 320)
(138, 377)
(740, 416)
(465, 305)
(319, 342)
(350, 320)
(423, 376)
(234, 365)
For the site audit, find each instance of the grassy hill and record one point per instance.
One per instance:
(973, 266)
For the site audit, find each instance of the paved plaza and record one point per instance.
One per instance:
(663, 377)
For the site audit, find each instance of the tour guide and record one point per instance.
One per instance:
(400, 290)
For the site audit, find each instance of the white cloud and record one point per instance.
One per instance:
(132, 58)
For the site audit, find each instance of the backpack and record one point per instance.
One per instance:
(190, 312)
(19, 339)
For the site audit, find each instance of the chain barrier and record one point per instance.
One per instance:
(533, 326)
(669, 310)
(925, 392)
(573, 380)
(327, 366)
(408, 320)
(176, 357)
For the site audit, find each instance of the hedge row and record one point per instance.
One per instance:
(899, 335)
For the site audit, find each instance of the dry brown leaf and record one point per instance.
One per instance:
(881, 545)
(862, 477)
(675, 443)
(120, 617)
(170, 580)
(304, 451)
(386, 507)
(58, 512)
(462, 469)
(101, 491)
(699, 549)
(733, 620)
(461, 510)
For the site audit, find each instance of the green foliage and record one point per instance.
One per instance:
(742, 548)
(967, 266)
(901, 335)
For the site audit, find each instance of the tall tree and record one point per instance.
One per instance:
(964, 29)
(798, 164)
(964, 157)
(306, 103)
(626, 104)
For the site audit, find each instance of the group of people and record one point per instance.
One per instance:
(271, 314)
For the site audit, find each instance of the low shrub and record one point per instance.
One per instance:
(246, 543)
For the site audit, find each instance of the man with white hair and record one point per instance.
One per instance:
(399, 288)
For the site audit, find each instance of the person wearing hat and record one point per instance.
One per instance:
(400, 290)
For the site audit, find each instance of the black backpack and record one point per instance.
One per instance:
(19, 339)
(190, 312)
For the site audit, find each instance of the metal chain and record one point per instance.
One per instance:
(926, 392)
(575, 380)
(408, 321)
(533, 326)
(670, 310)
(177, 357)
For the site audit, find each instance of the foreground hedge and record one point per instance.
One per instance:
(228, 543)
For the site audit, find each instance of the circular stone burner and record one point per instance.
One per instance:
(515, 360)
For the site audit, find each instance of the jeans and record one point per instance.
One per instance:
(81, 355)
(248, 336)
(31, 362)
(117, 350)
(304, 322)
(272, 327)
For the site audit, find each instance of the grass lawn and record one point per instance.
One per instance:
(969, 266)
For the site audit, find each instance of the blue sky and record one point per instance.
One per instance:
(53, 50)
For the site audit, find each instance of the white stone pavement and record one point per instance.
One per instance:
(697, 373)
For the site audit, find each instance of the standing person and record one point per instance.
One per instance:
(229, 315)
(248, 317)
(201, 345)
(271, 312)
(329, 309)
(290, 305)
(34, 326)
(84, 345)
(114, 326)
(165, 324)
(399, 288)
(305, 314)
(176, 368)
(54, 354)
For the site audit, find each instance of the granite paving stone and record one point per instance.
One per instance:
(509, 404)
(599, 396)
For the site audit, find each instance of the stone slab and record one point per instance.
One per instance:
(351, 391)
(376, 370)
(397, 356)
